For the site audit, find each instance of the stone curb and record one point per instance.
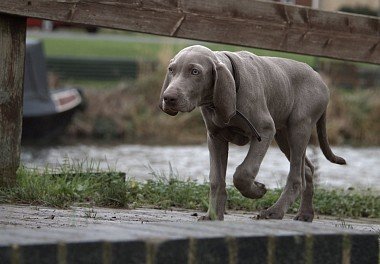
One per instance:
(203, 242)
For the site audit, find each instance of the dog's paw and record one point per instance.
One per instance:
(270, 214)
(255, 191)
(304, 217)
(259, 189)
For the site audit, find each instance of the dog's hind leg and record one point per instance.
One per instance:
(298, 138)
(306, 211)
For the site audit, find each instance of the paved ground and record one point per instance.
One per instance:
(43, 217)
(30, 234)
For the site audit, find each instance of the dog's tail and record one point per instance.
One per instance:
(324, 143)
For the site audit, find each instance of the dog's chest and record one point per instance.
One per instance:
(234, 132)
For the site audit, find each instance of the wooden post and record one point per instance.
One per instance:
(12, 58)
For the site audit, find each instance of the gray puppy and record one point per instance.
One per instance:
(239, 92)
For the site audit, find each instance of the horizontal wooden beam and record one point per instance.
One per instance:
(260, 24)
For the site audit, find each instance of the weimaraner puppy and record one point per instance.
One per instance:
(239, 92)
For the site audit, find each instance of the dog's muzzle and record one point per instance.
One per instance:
(164, 107)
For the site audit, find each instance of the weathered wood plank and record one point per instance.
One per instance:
(294, 29)
(250, 23)
(12, 54)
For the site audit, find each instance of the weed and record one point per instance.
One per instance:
(344, 225)
(110, 189)
(91, 213)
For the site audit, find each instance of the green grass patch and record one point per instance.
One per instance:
(140, 49)
(74, 185)
(101, 48)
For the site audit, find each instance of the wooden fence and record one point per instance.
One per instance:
(260, 24)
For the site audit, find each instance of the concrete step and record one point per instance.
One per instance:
(264, 241)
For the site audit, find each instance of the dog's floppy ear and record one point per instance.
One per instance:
(160, 105)
(224, 92)
(164, 86)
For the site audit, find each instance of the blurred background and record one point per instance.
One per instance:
(96, 91)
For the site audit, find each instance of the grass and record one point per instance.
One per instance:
(354, 117)
(140, 49)
(108, 189)
(119, 44)
(101, 48)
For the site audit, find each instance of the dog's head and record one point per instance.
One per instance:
(195, 77)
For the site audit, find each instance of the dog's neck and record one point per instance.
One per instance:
(208, 101)
(236, 77)
(234, 72)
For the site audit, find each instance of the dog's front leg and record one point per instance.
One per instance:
(245, 174)
(218, 149)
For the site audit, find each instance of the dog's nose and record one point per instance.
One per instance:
(170, 99)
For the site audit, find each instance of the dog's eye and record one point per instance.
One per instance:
(170, 69)
(194, 71)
